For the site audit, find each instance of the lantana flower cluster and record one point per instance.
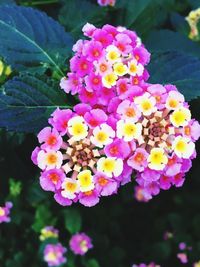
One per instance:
(123, 127)
(5, 212)
(75, 159)
(111, 63)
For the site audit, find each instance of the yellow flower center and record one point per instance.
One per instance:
(109, 165)
(71, 187)
(101, 136)
(173, 103)
(78, 129)
(130, 129)
(146, 105)
(181, 146)
(85, 178)
(2, 212)
(51, 158)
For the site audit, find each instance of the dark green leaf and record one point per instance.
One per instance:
(30, 40)
(166, 40)
(72, 221)
(194, 3)
(178, 69)
(27, 101)
(75, 13)
(131, 10)
(180, 24)
(92, 263)
(43, 218)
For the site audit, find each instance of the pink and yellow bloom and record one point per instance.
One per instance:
(80, 243)
(111, 55)
(48, 232)
(54, 254)
(71, 170)
(5, 212)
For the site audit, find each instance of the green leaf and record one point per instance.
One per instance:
(179, 69)
(92, 263)
(131, 10)
(166, 40)
(194, 3)
(73, 221)
(153, 16)
(43, 217)
(6, 2)
(30, 40)
(180, 24)
(76, 13)
(27, 101)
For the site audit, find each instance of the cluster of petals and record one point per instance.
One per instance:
(54, 254)
(111, 63)
(80, 243)
(123, 127)
(162, 135)
(48, 232)
(80, 157)
(152, 264)
(106, 2)
(5, 212)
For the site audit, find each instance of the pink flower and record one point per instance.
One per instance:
(93, 82)
(54, 254)
(80, 243)
(34, 155)
(165, 182)
(106, 2)
(50, 180)
(128, 110)
(123, 87)
(178, 179)
(63, 201)
(141, 195)
(159, 92)
(50, 139)
(103, 37)
(182, 257)
(192, 130)
(182, 246)
(59, 119)
(88, 97)
(5, 212)
(139, 159)
(93, 50)
(80, 65)
(95, 117)
(123, 43)
(88, 29)
(72, 84)
(104, 185)
(118, 148)
(82, 109)
(89, 199)
(141, 55)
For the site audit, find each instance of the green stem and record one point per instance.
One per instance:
(36, 3)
